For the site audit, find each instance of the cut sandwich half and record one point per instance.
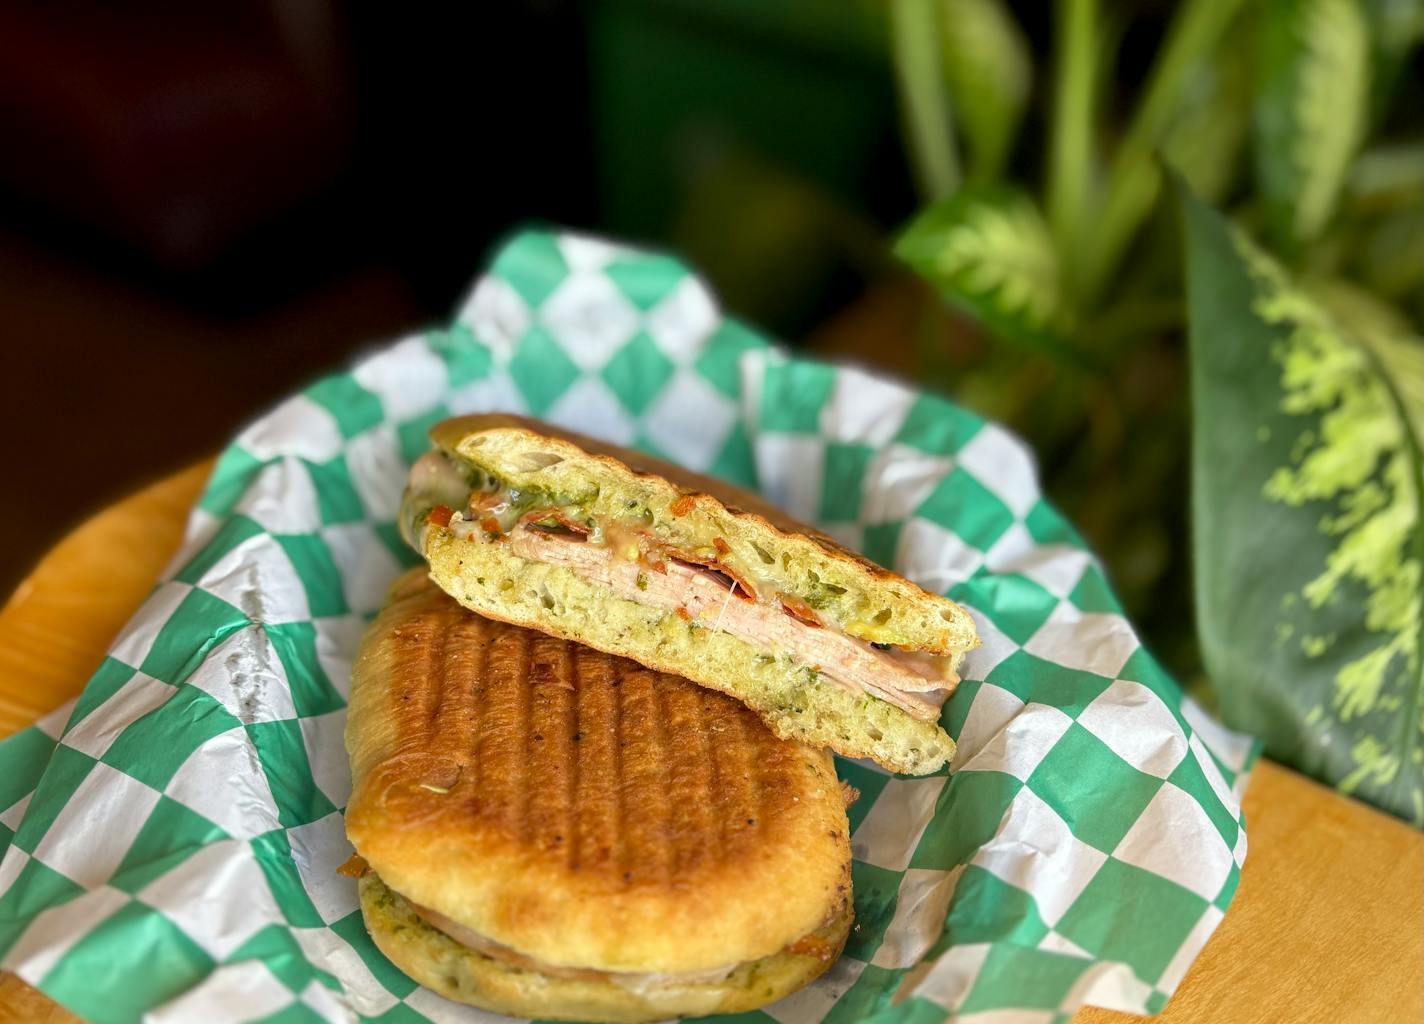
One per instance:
(546, 831)
(533, 525)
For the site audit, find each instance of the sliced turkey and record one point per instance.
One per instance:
(914, 682)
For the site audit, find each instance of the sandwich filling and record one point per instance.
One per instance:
(703, 586)
(820, 943)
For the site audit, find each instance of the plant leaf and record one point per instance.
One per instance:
(1213, 118)
(1311, 110)
(987, 250)
(1308, 427)
(988, 72)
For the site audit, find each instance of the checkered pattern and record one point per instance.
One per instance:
(170, 839)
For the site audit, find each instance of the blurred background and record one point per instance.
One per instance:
(201, 206)
(204, 205)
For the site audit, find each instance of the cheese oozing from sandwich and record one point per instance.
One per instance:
(702, 586)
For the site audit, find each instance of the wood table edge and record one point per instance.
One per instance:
(1374, 859)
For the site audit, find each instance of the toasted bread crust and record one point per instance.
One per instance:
(506, 444)
(462, 974)
(791, 706)
(579, 808)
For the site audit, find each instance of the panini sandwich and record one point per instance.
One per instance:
(543, 528)
(551, 832)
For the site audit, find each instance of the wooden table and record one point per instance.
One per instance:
(1328, 924)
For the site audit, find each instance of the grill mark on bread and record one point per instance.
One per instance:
(595, 824)
(479, 673)
(437, 662)
(507, 705)
(757, 788)
(644, 780)
(687, 777)
(462, 655)
(740, 812)
(776, 783)
(423, 643)
(405, 752)
(504, 738)
(620, 805)
(779, 774)
(568, 701)
(667, 758)
(576, 769)
(552, 752)
(714, 729)
(733, 760)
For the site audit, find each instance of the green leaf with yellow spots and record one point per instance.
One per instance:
(1308, 410)
(988, 251)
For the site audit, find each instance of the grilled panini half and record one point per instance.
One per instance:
(551, 832)
(533, 525)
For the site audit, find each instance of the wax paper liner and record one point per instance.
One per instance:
(171, 839)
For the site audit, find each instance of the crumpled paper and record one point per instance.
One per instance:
(170, 839)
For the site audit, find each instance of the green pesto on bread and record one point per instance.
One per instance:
(527, 523)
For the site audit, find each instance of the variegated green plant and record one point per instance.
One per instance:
(1307, 385)
(1309, 468)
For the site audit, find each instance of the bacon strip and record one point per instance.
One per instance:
(355, 866)
(559, 515)
(799, 610)
(717, 568)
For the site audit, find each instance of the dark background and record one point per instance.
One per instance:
(204, 205)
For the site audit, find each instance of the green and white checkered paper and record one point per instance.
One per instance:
(170, 840)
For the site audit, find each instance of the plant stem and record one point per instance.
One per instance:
(1128, 321)
(1070, 148)
(929, 122)
(1135, 177)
